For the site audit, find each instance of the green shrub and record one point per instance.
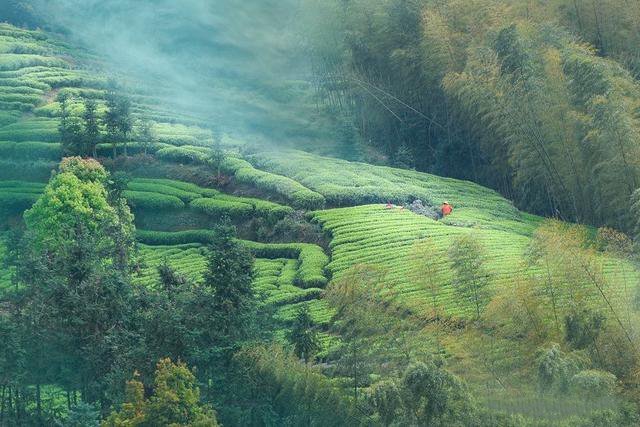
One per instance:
(293, 296)
(143, 200)
(220, 207)
(22, 98)
(30, 150)
(150, 187)
(11, 81)
(35, 129)
(186, 155)
(312, 260)
(9, 117)
(181, 185)
(593, 383)
(165, 238)
(26, 186)
(10, 61)
(271, 211)
(298, 195)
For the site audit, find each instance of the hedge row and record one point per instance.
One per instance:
(263, 208)
(181, 185)
(220, 207)
(144, 200)
(43, 130)
(106, 149)
(166, 238)
(30, 150)
(16, 81)
(186, 155)
(10, 61)
(152, 187)
(296, 295)
(298, 195)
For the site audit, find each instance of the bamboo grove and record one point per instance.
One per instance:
(538, 100)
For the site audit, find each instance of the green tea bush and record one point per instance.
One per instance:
(186, 155)
(18, 196)
(35, 129)
(220, 207)
(21, 98)
(360, 183)
(20, 89)
(271, 211)
(293, 295)
(30, 150)
(10, 45)
(8, 117)
(298, 195)
(143, 200)
(165, 238)
(311, 258)
(149, 187)
(19, 106)
(9, 61)
(22, 186)
(181, 185)
(20, 82)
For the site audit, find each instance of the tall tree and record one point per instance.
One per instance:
(76, 295)
(118, 119)
(91, 128)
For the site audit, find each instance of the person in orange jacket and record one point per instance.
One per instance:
(446, 209)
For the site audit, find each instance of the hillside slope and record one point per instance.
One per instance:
(176, 201)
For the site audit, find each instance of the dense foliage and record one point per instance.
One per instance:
(504, 93)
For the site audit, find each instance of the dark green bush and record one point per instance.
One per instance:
(143, 200)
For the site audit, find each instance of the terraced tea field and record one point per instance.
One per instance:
(386, 238)
(277, 280)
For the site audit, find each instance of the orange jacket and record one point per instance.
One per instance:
(446, 209)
